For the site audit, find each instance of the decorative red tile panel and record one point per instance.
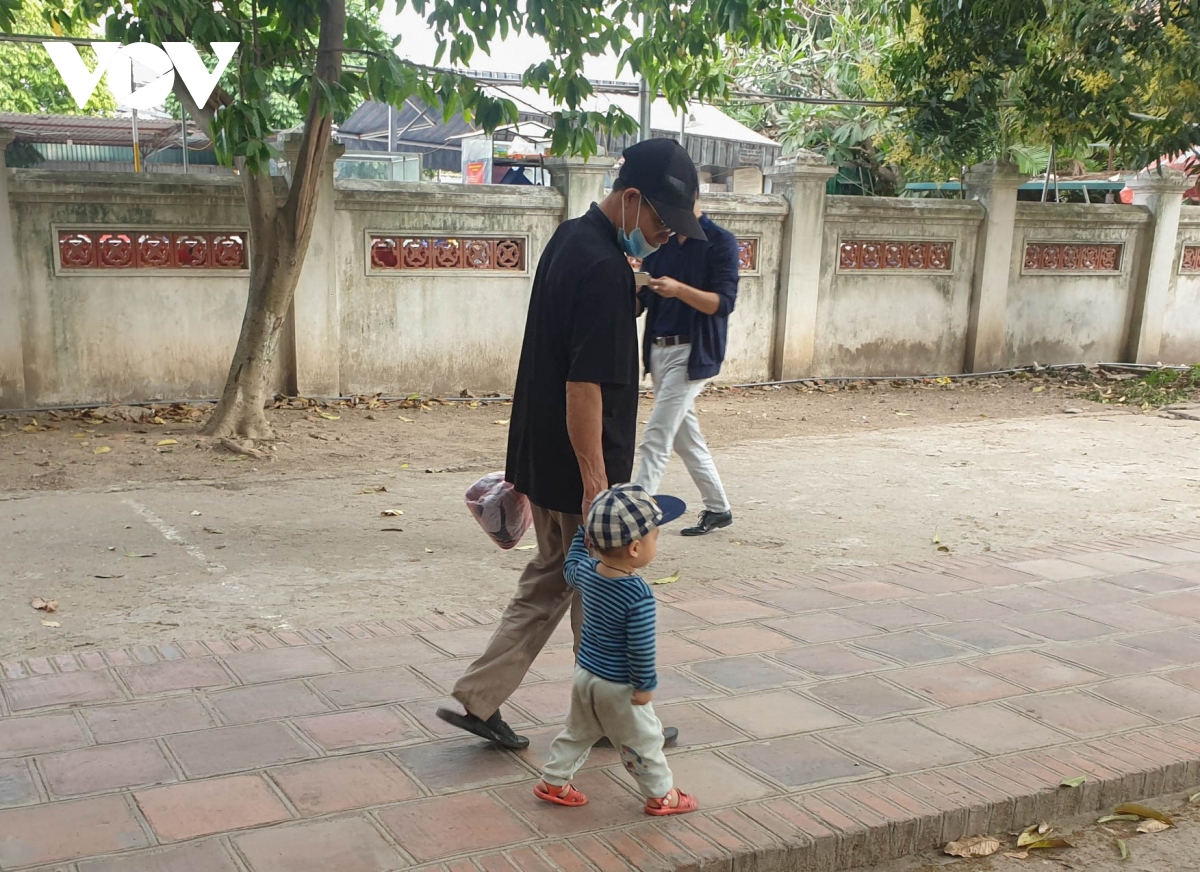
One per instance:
(1190, 262)
(747, 255)
(105, 250)
(896, 254)
(446, 252)
(1073, 257)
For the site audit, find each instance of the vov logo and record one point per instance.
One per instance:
(163, 63)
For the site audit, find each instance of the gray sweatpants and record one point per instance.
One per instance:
(605, 708)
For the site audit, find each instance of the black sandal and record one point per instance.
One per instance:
(494, 729)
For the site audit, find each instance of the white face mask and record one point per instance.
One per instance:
(635, 244)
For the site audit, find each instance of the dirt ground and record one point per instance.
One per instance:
(161, 537)
(1094, 848)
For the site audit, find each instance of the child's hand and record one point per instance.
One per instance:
(642, 697)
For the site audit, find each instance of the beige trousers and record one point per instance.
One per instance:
(604, 708)
(531, 618)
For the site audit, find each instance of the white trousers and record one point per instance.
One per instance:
(673, 423)
(605, 708)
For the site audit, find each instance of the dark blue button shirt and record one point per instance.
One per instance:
(710, 265)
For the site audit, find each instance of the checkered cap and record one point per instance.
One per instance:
(626, 513)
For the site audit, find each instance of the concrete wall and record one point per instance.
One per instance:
(1073, 315)
(1181, 324)
(440, 330)
(133, 334)
(896, 321)
(752, 325)
(122, 334)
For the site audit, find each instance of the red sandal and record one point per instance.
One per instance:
(568, 796)
(659, 807)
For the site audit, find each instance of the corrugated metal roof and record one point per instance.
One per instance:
(90, 130)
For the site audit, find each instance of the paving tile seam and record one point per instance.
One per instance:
(165, 652)
(1050, 647)
(269, 773)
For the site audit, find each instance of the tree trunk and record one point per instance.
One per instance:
(279, 237)
(274, 272)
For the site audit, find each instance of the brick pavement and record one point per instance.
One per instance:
(827, 720)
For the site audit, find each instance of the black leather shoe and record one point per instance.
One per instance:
(708, 522)
(670, 735)
(494, 729)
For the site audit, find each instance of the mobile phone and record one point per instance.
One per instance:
(641, 279)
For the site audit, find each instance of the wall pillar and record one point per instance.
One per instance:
(12, 357)
(316, 314)
(801, 179)
(994, 185)
(1162, 194)
(580, 180)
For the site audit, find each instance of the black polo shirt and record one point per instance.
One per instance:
(582, 327)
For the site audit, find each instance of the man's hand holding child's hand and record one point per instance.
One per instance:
(642, 697)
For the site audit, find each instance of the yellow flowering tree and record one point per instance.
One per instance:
(979, 77)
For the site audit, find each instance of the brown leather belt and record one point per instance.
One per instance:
(670, 341)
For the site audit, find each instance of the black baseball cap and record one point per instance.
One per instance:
(663, 171)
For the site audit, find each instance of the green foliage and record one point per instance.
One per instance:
(982, 76)
(271, 79)
(1162, 387)
(30, 84)
(832, 54)
(20, 153)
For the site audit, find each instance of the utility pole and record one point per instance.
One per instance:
(644, 99)
(184, 141)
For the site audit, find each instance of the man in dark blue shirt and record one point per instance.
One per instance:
(692, 291)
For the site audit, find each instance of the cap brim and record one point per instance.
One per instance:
(682, 221)
(671, 508)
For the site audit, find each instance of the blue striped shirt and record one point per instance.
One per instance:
(618, 621)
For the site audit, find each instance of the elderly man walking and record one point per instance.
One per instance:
(574, 417)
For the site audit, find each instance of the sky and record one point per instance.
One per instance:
(513, 55)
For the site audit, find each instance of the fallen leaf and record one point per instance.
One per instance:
(1110, 818)
(195, 514)
(1038, 389)
(473, 405)
(406, 420)
(1142, 811)
(670, 579)
(1078, 781)
(1123, 848)
(103, 449)
(1152, 826)
(214, 531)
(524, 547)
(428, 550)
(1028, 836)
(391, 513)
(378, 489)
(904, 414)
(51, 624)
(391, 530)
(1043, 844)
(404, 466)
(80, 436)
(502, 421)
(1017, 855)
(1044, 828)
(1195, 797)
(44, 605)
(973, 846)
(107, 576)
(161, 442)
(329, 416)
(942, 381)
(132, 554)
(945, 549)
